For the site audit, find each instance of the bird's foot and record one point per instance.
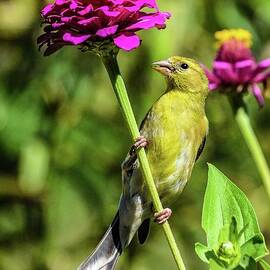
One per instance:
(162, 216)
(140, 142)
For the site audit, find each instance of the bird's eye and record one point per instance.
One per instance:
(184, 66)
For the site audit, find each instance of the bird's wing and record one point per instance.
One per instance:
(131, 164)
(128, 166)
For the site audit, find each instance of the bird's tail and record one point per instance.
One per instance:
(106, 254)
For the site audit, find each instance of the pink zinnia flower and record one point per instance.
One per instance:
(235, 68)
(84, 22)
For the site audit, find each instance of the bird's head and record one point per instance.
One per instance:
(184, 74)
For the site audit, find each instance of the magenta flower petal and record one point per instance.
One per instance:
(91, 21)
(257, 92)
(61, 2)
(73, 5)
(127, 41)
(222, 65)
(47, 9)
(57, 25)
(69, 20)
(264, 63)
(146, 3)
(75, 39)
(148, 22)
(150, 3)
(225, 72)
(107, 31)
(213, 86)
(117, 2)
(245, 69)
(261, 77)
(86, 10)
(262, 66)
(245, 64)
(108, 12)
(211, 76)
(137, 5)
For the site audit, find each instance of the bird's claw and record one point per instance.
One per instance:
(162, 216)
(140, 142)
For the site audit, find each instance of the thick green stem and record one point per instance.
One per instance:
(112, 68)
(244, 124)
(252, 142)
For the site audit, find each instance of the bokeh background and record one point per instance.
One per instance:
(62, 137)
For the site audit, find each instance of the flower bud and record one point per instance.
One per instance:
(226, 250)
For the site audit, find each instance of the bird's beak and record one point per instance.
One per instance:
(164, 67)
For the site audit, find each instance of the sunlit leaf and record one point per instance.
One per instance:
(233, 235)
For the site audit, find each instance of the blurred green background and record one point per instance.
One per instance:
(62, 138)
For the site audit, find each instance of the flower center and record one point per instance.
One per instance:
(233, 45)
(239, 35)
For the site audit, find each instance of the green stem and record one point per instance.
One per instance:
(252, 142)
(118, 84)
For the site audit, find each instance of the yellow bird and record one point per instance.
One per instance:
(173, 133)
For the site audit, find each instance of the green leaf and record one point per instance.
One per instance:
(247, 263)
(202, 251)
(255, 247)
(233, 235)
(224, 200)
(215, 266)
(229, 232)
(264, 265)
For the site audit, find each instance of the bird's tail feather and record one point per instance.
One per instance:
(106, 254)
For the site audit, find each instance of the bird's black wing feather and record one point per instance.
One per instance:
(143, 231)
(201, 148)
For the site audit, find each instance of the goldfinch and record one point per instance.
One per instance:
(173, 133)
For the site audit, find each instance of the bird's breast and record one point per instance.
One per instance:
(174, 138)
(171, 157)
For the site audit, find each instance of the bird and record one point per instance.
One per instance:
(173, 134)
